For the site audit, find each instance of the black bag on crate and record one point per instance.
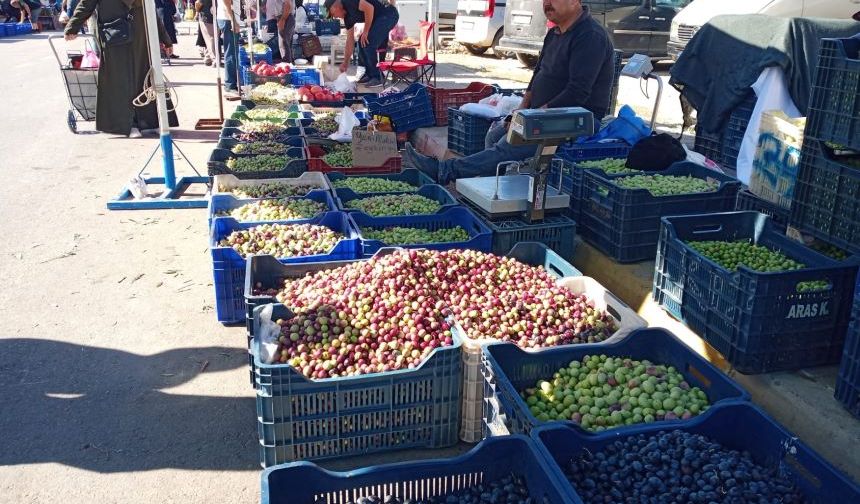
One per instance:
(656, 153)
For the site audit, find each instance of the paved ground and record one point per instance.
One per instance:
(117, 383)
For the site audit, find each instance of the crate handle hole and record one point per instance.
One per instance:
(554, 269)
(708, 228)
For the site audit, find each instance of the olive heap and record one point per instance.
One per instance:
(254, 148)
(325, 124)
(396, 307)
(829, 250)
(415, 236)
(260, 162)
(667, 185)
(260, 127)
(269, 190)
(511, 489)
(269, 114)
(601, 392)
(730, 255)
(282, 240)
(373, 185)
(275, 210)
(262, 132)
(339, 155)
(610, 166)
(675, 466)
(395, 204)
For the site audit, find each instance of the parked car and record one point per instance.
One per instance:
(480, 25)
(635, 26)
(699, 12)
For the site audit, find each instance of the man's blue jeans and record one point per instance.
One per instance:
(484, 163)
(231, 53)
(383, 22)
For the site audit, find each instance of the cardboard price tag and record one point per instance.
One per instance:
(373, 148)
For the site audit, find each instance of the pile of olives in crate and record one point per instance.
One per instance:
(601, 392)
(667, 185)
(325, 124)
(255, 148)
(675, 466)
(268, 190)
(339, 156)
(373, 185)
(730, 255)
(395, 204)
(611, 166)
(276, 210)
(261, 162)
(415, 236)
(282, 240)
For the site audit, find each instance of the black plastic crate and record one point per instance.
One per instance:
(327, 27)
(848, 381)
(747, 201)
(826, 201)
(217, 165)
(557, 231)
(723, 147)
(834, 108)
(624, 223)
(760, 322)
(617, 58)
(569, 155)
(466, 132)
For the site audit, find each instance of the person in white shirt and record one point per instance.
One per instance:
(227, 16)
(281, 16)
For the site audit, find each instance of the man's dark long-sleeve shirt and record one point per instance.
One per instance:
(575, 68)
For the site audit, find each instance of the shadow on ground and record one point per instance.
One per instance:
(105, 410)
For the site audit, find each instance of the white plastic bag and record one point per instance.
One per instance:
(346, 121)
(269, 333)
(480, 110)
(695, 157)
(508, 104)
(342, 84)
(491, 100)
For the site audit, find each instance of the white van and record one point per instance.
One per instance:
(694, 16)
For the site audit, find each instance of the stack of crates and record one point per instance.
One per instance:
(848, 381)
(723, 147)
(826, 201)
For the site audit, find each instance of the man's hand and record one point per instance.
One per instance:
(71, 36)
(344, 66)
(363, 38)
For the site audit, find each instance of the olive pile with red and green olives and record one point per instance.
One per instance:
(268, 190)
(325, 124)
(282, 240)
(600, 392)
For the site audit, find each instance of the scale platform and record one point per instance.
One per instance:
(513, 194)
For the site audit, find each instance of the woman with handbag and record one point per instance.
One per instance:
(124, 64)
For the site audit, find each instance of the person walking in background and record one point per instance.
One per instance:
(166, 10)
(13, 14)
(123, 67)
(205, 21)
(281, 19)
(30, 10)
(228, 24)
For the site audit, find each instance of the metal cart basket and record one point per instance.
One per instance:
(81, 85)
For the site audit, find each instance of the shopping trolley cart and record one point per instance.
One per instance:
(81, 84)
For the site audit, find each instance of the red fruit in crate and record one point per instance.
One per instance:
(316, 89)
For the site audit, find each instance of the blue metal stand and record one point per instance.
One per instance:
(173, 194)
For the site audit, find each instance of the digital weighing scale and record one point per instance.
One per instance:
(527, 193)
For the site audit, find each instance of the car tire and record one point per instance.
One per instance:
(496, 52)
(476, 50)
(529, 60)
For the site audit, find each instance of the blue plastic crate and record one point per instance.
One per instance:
(226, 202)
(23, 28)
(8, 30)
(747, 201)
(570, 155)
(848, 382)
(466, 132)
(760, 322)
(480, 236)
(508, 370)
(491, 460)
(624, 223)
(245, 59)
(834, 108)
(327, 27)
(434, 192)
(217, 165)
(826, 201)
(303, 419)
(409, 175)
(723, 146)
(302, 76)
(557, 231)
(739, 426)
(408, 110)
(229, 267)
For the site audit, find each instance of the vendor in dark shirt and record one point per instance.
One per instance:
(379, 18)
(575, 69)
